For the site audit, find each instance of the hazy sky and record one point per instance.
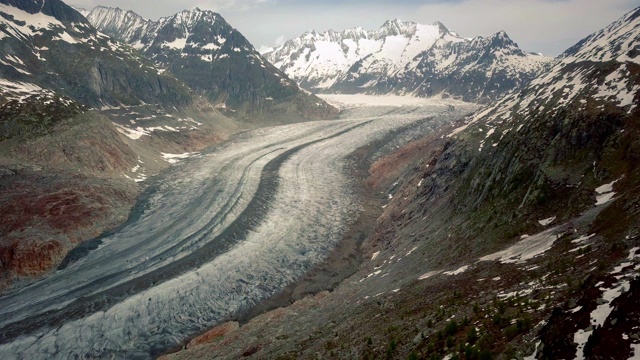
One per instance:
(547, 26)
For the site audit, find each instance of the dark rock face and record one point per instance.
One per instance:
(201, 49)
(67, 54)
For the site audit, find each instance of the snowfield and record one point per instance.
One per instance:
(212, 237)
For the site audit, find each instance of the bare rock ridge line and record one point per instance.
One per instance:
(251, 216)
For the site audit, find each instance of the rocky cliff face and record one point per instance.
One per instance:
(407, 58)
(48, 44)
(201, 49)
(514, 235)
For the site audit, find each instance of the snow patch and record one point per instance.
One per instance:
(545, 222)
(411, 251)
(429, 274)
(64, 36)
(35, 23)
(177, 44)
(174, 158)
(582, 239)
(604, 198)
(457, 271)
(606, 188)
(525, 249)
(211, 46)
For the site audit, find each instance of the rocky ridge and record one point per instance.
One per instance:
(201, 49)
(407, 58)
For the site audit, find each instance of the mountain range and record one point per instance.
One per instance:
(46, 45)
(409, 59)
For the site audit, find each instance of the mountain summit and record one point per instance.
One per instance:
(200, 48)
(407, 58)
(322, 61)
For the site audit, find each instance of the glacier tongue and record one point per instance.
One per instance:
(280, 237)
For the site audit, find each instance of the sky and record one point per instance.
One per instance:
(545, 26)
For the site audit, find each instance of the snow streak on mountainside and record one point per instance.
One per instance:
(203, 50)
(407, 58)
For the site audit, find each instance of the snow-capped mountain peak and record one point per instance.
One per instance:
(189, 18)
(397, 27)
(400, 56)
(214, 59)
(319, 60)
(129, 24)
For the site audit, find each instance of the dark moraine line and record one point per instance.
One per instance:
(254, 213)
(141, 206)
